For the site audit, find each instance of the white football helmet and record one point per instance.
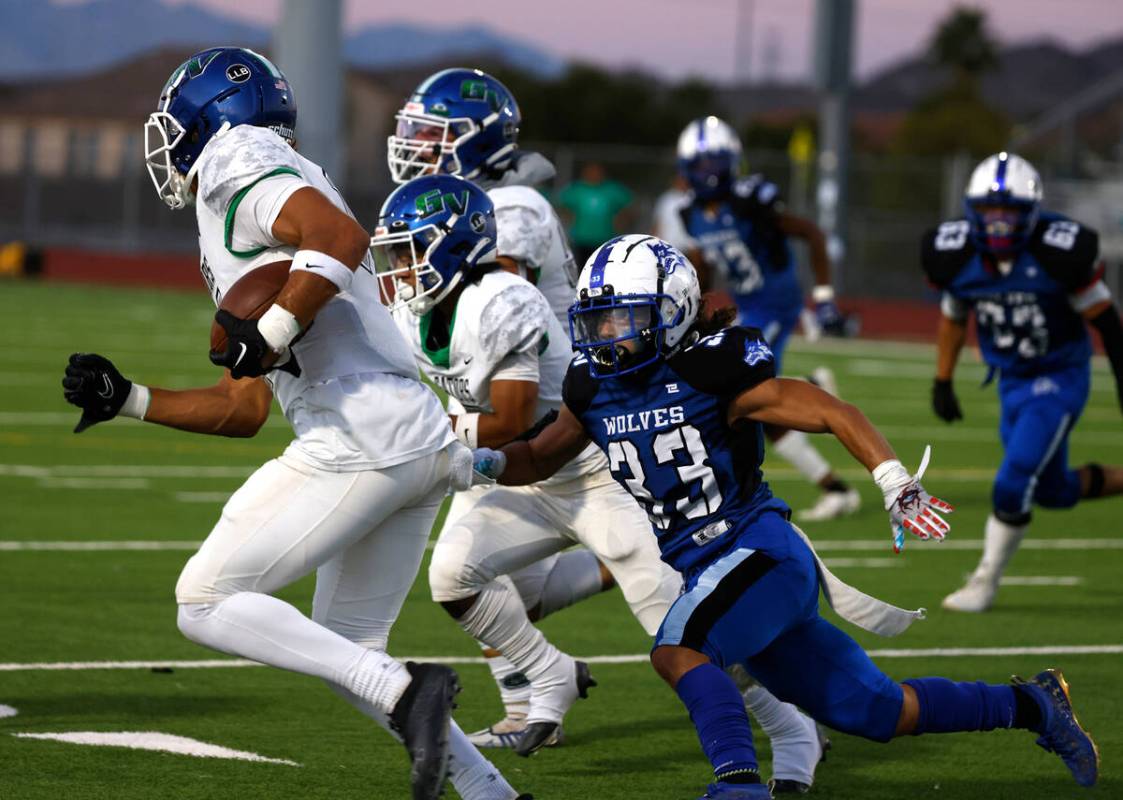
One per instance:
(709, 153)
(637, 298)
(1002, 202)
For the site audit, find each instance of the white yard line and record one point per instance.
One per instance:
(1042, 580)
(94, 483)
(227, 663)
(154, 740)
(7, 711)
(110, 546)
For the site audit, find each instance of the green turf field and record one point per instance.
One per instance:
(129, 482)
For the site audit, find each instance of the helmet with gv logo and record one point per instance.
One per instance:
(636, 300)
(456, 122)
(213, 90)
(432, 232)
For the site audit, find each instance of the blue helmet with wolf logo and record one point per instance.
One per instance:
(215, 89)
(432, 233)
(457, 122)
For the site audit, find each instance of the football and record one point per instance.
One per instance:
(250, 296)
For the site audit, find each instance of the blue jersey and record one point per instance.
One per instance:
(741, 239)
(665, 433)
(1026, 321)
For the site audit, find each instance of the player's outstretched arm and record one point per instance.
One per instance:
(229, 408)
(806, 407)
(514, 404)
(950, 338)
(826, 310)
(539, 458)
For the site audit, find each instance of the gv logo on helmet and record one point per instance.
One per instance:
(434, 202)
(238, 73)
(478, 90)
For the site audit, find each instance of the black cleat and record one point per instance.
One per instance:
(538, 734)
(421, 718)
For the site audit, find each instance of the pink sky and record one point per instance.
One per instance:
(680, 37)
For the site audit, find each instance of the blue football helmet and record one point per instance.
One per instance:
(1002, 203)
(637, 299)
(709, 154)
(457, 122)
(213, 90)
(431, 234)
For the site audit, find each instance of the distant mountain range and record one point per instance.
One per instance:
(39, 38)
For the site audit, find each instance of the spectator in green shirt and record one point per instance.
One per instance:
(594, 205)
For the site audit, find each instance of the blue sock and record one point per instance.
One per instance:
(946, 706)
(718, 712)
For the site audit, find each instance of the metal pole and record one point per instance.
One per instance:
(308, 48)
(743, 42)
(834, 33)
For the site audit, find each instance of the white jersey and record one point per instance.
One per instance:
(359, 403)
(503, 329)
(530, 232)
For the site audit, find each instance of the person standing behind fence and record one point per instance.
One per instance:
(595, 204)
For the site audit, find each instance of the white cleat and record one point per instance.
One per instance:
(506, 733)
(832, 505)
(823, 377)
(975, 597)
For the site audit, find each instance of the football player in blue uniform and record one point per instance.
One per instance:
(677, 403)
(736, 230)
(1032, 277)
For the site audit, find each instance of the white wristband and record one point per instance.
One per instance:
(890, 476)
(325, 266)
(278, 327)
(823, 293)
(136, 404)
(467, 429)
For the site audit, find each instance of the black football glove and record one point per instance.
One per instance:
(246, 349)
(944, 401)
(94, 385)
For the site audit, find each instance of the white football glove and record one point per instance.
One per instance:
(910, 507)
(487, 465)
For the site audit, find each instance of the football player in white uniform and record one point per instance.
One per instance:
(355, 494)
(465, 122)
(489, 339)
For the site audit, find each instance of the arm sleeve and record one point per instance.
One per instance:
(250, 218)
(953, 307)
(518, 366)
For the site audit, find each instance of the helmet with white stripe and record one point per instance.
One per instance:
(1002, 202)
(637, 298)
(709, 153)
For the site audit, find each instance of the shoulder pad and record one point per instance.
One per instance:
(513, 320)
(237, 159)
(1067, 250)
(579, 387)
(726, 363)
(755, 196)
(945, 250)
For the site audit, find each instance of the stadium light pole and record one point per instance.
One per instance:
(308, 48)
(834, 34)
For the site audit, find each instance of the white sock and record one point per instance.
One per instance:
(498, 619)
(575, 576)
(1000, 542)
(795, 448)
(513, 685)
(795, 742)
(472, 775)
(263, 628)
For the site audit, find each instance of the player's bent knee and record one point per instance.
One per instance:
(1012, 487)
(191, 619)
(452, 575)
(671, 662)
(1063, 493)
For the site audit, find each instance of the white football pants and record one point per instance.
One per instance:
(508, 528)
